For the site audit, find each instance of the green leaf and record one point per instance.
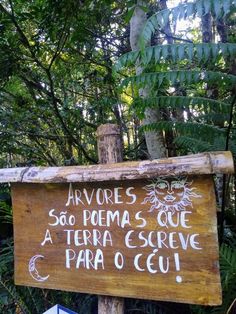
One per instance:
(164, 51)
(199, 7)
(160, 79)
(199, 52)
(207, 51)
(174, 77)
(207, 6)
(164, 17)
(130, 3)
(176, 52)
(232, 50)
(217, 8)
(190, 51)
(223, 49)
(129, 15)
(189, 77)
(192, 144)
(173, 52)
(175, 12)
(189, 9)
(147, 55)
(226, 6)
(185, 102)
(182, 13)
(144, 8)
(183, 77)
(214, 50)
(181, 52)
(157, 53)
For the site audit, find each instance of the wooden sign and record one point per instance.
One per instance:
(150, 238)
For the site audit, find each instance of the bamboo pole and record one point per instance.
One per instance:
(109, 151)
(198, 164)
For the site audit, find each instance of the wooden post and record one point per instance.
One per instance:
(109, 151)
(109, 144)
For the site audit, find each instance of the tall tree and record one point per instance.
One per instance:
(191, 66)
(154, 139)
(59, 78)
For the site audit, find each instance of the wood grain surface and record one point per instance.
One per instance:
(204, 163)
(150, 239)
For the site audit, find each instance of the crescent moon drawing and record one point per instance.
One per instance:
(33, 270)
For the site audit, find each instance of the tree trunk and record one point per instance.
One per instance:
(207, 37)
(166, 113)
(207, 34)
(154, 140)
(222, 30)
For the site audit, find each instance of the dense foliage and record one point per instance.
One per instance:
(66, 66)
(56, 78)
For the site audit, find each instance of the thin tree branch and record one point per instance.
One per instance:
(55, 101)
(60, 45)
(66, 129)
(23, 38)
(176, 38)
(225, 176)
(46, 154)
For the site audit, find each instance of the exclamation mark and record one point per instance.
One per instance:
(177, 266)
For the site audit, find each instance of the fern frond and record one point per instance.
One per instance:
(228, 262)
(193, 129)
(182, 77)
(185, 102)
(193, 145)
(228, 279)
(127, 59)
(228, 273)
(200, 52)
(159, 20)
(216, 118)
(11, 290)
(6, 255)
(190, 136)
(6, 213)
(34, 299)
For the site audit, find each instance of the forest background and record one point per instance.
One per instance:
(166, 74)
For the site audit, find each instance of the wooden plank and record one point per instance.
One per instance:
(205, 163)
(148, 239)
(12, 174)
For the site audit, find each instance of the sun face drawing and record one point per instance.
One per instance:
(170, 194)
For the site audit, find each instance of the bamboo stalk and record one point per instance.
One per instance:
(198, 164)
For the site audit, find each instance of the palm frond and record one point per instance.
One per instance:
(184, 102)
(181, 77)
(159, 20)
(193, 145)
(228, 277)
(228, 264)
(197, 52)
(192, 128)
